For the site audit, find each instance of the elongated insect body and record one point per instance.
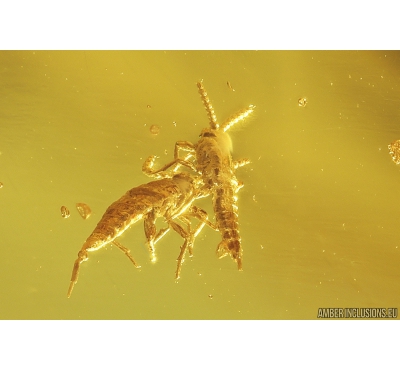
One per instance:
(168, 197)
(155, 197)
(213, 161)
(213, 154)
(217, 168)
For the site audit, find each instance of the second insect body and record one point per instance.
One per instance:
(213, 161)
(170, 198)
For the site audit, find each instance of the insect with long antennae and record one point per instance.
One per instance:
(170, 197)
(214, 162)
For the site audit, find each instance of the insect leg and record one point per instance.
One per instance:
(160, 173)
(180, 259)
(240, 163)
(151, 233)
(126, 251)
(188, 241)
(193, 234)
(160, 234)
(189, 235)
(201, 215)
(147, 167)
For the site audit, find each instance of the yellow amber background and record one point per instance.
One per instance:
(318, 213)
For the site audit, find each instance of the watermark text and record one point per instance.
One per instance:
(357, 313)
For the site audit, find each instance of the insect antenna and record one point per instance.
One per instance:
(207, 104)
(237, 117)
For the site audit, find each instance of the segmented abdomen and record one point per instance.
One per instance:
(226, 216)
(131, 208)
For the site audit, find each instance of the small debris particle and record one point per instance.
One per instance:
(1, 185)
(154, 129)
(65, 212)
(230, 86)
(210, 296)
(148, 106)
(302, 102)
(84, 210)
